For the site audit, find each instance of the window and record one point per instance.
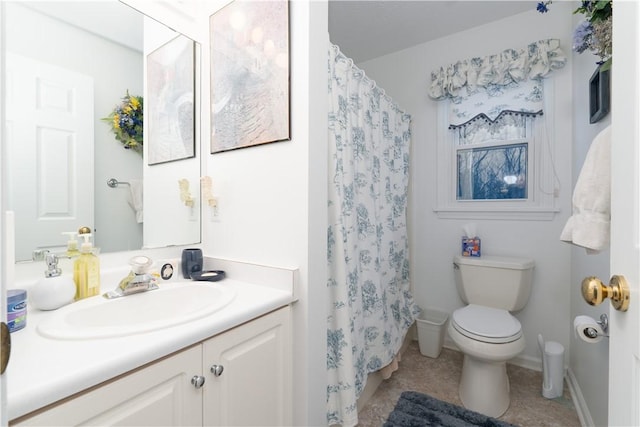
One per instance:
(492, 172)
(500, 168)
(495, 159)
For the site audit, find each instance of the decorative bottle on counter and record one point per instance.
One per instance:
(86, 270)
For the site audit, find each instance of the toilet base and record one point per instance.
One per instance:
(484, 386)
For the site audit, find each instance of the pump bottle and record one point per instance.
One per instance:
(86, 270)
(72, 244)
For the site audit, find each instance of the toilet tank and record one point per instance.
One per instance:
(494, 281)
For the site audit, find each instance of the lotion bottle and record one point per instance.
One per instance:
(54, 290)
(86, 270)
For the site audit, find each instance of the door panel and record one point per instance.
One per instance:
(624, 330)
(56, 135)
(250, 383)
(161, 394)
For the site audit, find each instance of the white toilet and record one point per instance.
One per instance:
(485, 331)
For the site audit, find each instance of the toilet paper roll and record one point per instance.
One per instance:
(587, 329)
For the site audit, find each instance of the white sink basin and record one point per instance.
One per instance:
(172, 304)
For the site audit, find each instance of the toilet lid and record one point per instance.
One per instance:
(486, 324)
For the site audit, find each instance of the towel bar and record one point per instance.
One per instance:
(113, 183)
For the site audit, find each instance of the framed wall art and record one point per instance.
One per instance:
(249, 74)
(599, 94)
(170, 101)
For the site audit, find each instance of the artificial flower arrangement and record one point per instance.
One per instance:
(594, 33)
(126, 122)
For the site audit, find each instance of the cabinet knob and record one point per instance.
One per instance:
(217, 370)
(197, 381)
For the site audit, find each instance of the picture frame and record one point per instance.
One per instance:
(170, 101)
(250, 81)
(599, 94)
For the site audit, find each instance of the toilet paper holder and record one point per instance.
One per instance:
(604, 324)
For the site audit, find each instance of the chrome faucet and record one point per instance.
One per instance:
(138, 280)
(41, 254)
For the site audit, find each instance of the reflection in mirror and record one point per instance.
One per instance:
(64, 75)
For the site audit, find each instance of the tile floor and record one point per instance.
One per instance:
(439, 378)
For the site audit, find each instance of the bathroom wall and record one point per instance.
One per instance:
(114, 219)
(405, 76)
(272, 202)
(588, 362)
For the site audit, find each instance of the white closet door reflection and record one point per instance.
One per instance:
(49, 124)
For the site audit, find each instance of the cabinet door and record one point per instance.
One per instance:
(160, 394)
(254, 385)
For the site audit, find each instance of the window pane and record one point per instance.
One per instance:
(492, 173)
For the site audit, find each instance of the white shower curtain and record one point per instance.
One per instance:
(371, 307)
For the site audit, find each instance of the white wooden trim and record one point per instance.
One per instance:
(506, 213)
(578, 400)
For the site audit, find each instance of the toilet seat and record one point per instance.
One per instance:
(486, 324)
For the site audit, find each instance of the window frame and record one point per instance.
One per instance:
(542, 190)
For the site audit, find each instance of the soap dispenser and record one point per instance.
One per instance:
(72, 244)
(86, 270)
(54, 290)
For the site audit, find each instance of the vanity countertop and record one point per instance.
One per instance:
(42, 371)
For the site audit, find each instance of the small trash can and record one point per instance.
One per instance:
(431, 329)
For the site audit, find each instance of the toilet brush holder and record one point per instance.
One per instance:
(552, 368)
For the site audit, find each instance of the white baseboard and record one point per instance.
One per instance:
(578, 400)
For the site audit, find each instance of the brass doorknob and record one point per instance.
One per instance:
(594, 291)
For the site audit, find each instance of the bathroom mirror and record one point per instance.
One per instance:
(76, 61)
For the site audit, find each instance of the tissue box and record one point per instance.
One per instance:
(470, 246)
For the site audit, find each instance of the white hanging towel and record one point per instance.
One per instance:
(589, 226)
(135, 198)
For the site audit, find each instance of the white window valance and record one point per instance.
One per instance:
(507, 68)
(496, 103)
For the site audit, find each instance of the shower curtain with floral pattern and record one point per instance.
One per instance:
(371, 307)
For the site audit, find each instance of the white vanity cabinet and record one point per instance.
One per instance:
(157, 394)
(250, 386)
(248, 374)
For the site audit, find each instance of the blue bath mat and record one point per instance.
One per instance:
(419, 410)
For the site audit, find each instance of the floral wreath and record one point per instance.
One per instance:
(126, 122)
(594, 33)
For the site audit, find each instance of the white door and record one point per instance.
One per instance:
(624, 360)
(50, 144)
(3, 237)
